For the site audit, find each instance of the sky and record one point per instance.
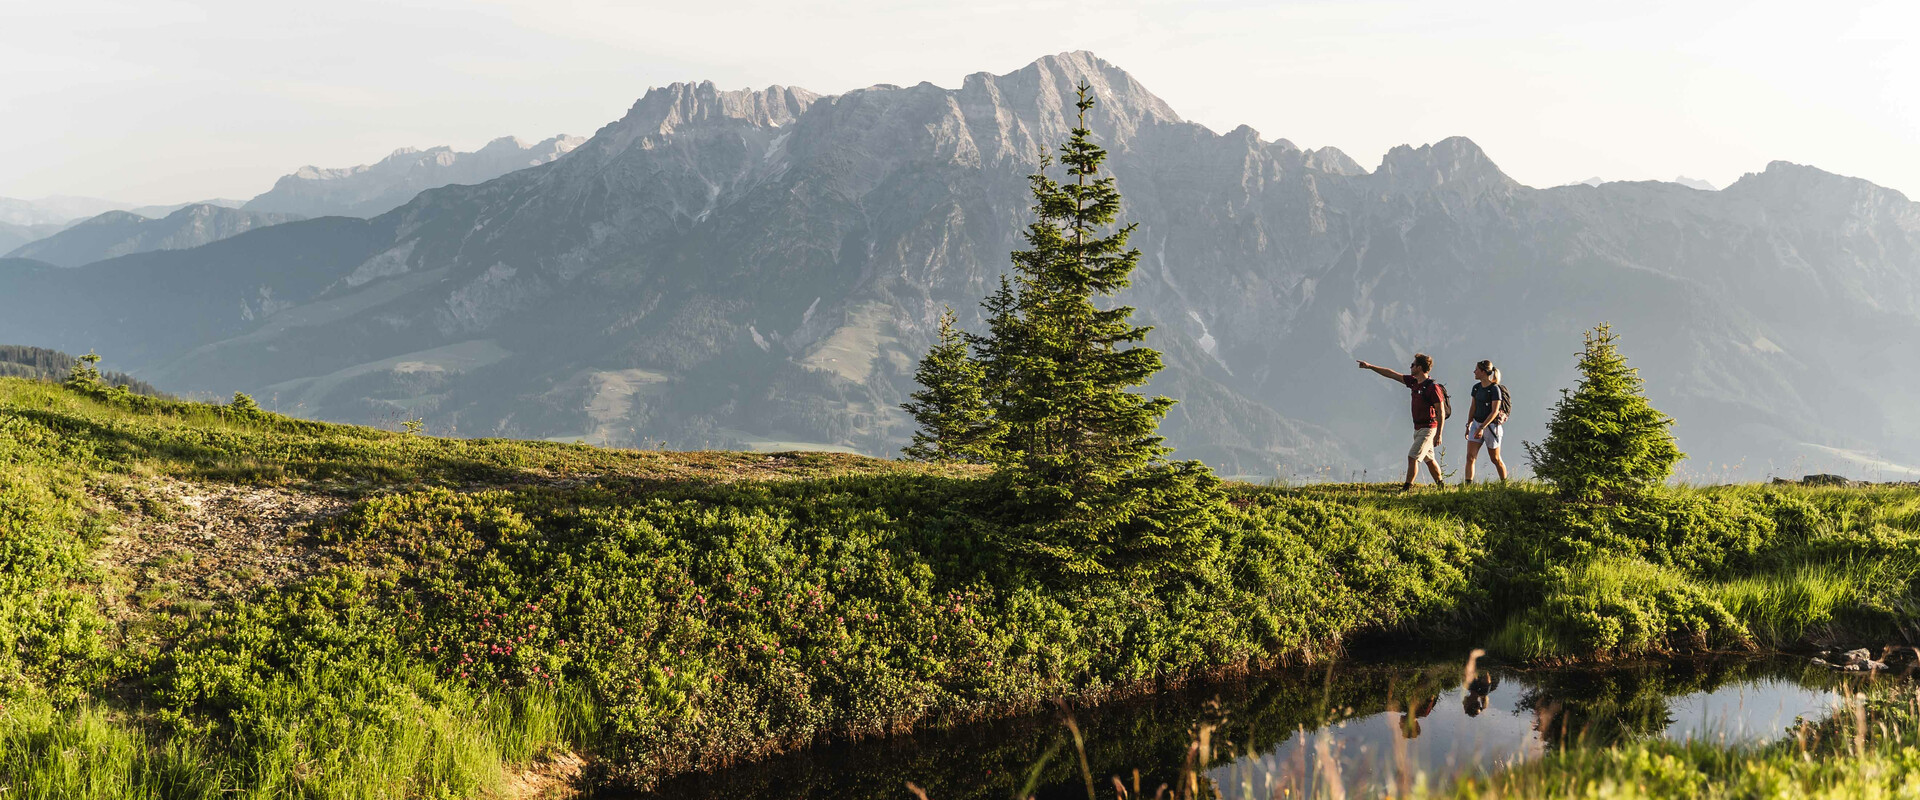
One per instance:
(164, 101)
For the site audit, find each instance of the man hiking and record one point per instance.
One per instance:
(1488, 420)
(1429, 410)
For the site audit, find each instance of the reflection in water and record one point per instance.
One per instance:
(1293, 729)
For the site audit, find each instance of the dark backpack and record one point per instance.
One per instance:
(1446, 400)
(1506, 403)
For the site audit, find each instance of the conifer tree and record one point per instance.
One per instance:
(1079, 449)
(956, 424)
(85, 374)
(1605, 442)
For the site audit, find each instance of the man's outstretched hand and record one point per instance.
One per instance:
(1381, 371)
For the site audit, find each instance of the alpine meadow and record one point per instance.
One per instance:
(1002, 441)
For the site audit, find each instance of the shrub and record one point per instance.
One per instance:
(1605, 442)
(1618, 606)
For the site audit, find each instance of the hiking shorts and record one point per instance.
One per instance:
(1422, 444)
(1485, 435)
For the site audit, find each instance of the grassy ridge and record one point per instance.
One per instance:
(485, 602)
(674, 611)
(1726, 567)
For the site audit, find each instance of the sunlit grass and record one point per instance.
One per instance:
(676, 610)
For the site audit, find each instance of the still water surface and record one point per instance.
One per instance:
(1267, 732)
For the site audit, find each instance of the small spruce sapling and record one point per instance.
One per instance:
(243, 408)
(85, 375)
(1605, 442)
(956, 425)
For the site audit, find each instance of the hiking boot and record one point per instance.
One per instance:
(1406, 487)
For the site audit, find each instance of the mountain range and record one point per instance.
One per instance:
(111, 228)
(373, 189)
(764, 267)
(118, 233)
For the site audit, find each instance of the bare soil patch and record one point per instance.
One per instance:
(552, 776)
(184, 546)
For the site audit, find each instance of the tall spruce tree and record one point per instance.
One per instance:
(956, 424)
(1080, 451)
(1605, 443)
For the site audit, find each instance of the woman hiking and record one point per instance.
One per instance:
(1488, 420)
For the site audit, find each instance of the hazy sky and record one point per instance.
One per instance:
(157, 101)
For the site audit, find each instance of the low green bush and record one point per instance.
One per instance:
(487, 601)
(720, 623)
(1612, 606)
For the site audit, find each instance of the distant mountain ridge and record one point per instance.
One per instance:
(57, 211)
(12, 236)
(111, 228)
(763, 268)
(54, 210)
(119, 233)
(372, 189)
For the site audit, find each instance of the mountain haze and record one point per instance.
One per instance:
(118, 233)
(55, 209)
(13, 236)
(763, 267)
(372, 189)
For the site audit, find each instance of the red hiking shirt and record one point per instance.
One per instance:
(1426, 401)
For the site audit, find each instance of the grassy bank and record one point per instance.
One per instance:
(1689, 569)
(1870, 748)
(459, 609)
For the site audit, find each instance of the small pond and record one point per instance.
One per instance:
(1276, 730)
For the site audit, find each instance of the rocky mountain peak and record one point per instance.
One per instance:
(1800, 177)
(1334, 160)
(1451, 162)
(1786, 186)
(368, 190)
(539, 152)
(666, 108)
(1042, 94)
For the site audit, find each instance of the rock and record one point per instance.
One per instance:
(1826, 480)
(1859, 655)
(1821, 662)
(1785, 482)
(1875, 666)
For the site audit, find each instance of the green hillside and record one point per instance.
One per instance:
(201, 600)
(39, 363)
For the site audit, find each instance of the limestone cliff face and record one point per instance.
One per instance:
(765, 266)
